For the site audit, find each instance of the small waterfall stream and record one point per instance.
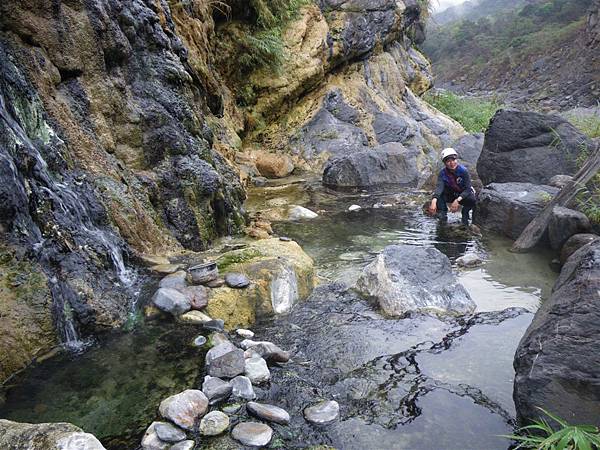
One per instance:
(71, 216)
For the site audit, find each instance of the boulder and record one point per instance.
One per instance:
(405, 278)
(556, 363)
(388, 165)
(44, 436)
(564, 223)
(281, 275)
(469, 149)
(559, 181)
(529, 147)
(171, 301)
(508, 208)
(574, 243)
(272, 165)
(185, 408)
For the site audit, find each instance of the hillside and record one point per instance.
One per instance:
(543, 53)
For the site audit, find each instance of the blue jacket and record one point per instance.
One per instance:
(454, 184)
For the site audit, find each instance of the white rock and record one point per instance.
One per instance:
(322, 412)
(299, 213)
(284, 290)
(194, 317)
(257, 370)
(242, 332)
(79, 441)
(354, 208)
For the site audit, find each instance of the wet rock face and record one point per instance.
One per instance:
(405, 278)
(508, 208)
(565, 223)
(529, 147)
(388, 165)
(557, 359)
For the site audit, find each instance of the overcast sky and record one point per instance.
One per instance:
(440, 5)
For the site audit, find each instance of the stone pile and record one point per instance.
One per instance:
(232, 372)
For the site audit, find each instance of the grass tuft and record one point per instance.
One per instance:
(473, 114)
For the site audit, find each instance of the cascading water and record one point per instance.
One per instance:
(68, 223)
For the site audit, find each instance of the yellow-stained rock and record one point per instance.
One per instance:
(280, 272)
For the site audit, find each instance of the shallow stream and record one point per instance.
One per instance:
(422, 382)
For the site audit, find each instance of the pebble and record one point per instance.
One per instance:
(199, 341)
(216, 283)
(232, 408)
(237, 280)
(242, 332)
(323, 412)
(284, 239)
(168, 433)
(184, 445)
(256, 370)
(268, 412)
(242, 388)
(194, 317)
(214, 423)
(354, 208)
(215, 389)
(252, 434)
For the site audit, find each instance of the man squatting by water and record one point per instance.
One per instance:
(453, 187)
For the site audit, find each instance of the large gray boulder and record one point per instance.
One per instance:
(405, 278)
(556, 363)
(45, 436)
(574, 243)
(564, 223)
(529, 147)
(388, 165)
(507, 208)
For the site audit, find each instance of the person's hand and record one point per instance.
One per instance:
(433, 207)
(454, 206)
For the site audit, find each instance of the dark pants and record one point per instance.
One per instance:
(467, 203)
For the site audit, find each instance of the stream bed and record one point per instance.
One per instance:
(420, 382)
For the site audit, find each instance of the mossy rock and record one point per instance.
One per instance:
(280, 272)
(27, 328)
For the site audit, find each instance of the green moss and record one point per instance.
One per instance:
(237, 257)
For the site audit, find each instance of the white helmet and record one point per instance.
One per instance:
(449, 152)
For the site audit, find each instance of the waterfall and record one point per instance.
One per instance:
(70, 213)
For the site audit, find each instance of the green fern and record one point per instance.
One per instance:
(542, 436)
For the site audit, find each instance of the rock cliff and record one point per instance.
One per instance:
(121, 123)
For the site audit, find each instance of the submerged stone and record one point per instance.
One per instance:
(252, 434)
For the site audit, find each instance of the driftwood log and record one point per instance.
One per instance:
(535, 230)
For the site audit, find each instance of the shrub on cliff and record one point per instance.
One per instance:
(472, 113)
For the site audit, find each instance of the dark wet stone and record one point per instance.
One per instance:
(227, 365)
(556, 363)
(323, 412)
(268, 412)
(389, 128)
(252, 434)
(217, 325)
(242, 388)
(529, 147)
(237, 280)
(169, 433)
(171, 301)
(574, 243)
(564, 223)
(508, 208)
(215, 389)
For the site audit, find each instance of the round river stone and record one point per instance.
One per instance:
(252, 433)
(215, 422)
(268, 412)
(323, 412)
(237, 280)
